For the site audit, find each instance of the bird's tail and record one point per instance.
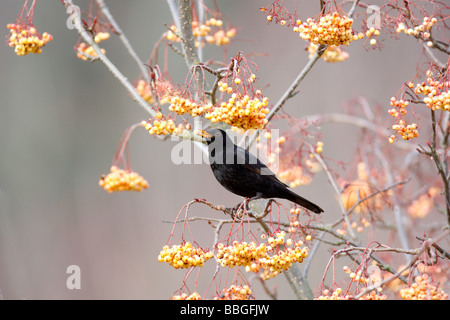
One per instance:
(291, 196)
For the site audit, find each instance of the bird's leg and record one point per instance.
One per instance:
(237, 210)
(244, 205)
(236, 207)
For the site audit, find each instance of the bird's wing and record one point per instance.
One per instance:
(252, 163)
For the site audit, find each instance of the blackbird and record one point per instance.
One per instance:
(241, 173)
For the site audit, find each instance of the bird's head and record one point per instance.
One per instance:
(212, 135)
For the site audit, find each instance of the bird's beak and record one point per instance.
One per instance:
(204, 135)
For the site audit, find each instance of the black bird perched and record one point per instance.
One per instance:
(241, 173)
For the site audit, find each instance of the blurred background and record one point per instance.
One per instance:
(61, 120)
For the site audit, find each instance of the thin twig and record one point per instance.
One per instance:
(346, 240)
(439, 166)
(336, 190)
(290, 92)
(432, 56)
(122, 79)
(444, 252)
(395, 184)
(417, 252)
(312, 253)
(124, 40)
(353, 9)
(355, 121)
(397, 209)
(273, 295)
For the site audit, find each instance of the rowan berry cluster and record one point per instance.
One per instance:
(240, 111)
(101, 36)
(354, 225)
(294, 223)
(357, 276)
(313, 165)
(420, 207)
(294, 176)
(399, 107)
(319, 147)
(181, 106)
(122, 180)
(221, 37)
(184, 256)
(269, 258)
(212, 31)
(235, 292)
(292, 169)
(373, 295)
(144, 90)
(422, 30)
(370, 33)
(406, 131)
(26, 39)
(332, 53)
(423, 289)
(360, 189)
(266, 148)
(337, 294)
(282, 260)
(437, 95)
(241, 253)
(331, 29)
(288, 172)
(185, 296)
(160, 126)
(251, 79)
(85, 52)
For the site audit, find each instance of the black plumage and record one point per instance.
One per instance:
(243, 174)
